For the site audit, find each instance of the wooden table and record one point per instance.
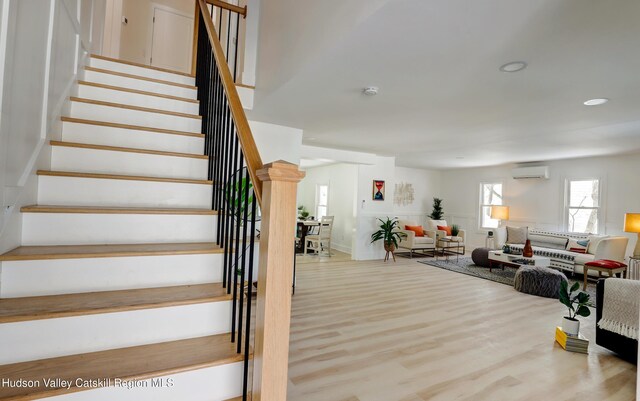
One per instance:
(600, 270)
(302, 230)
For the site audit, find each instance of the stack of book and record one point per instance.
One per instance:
(572, 343)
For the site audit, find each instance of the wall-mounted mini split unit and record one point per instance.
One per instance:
(530, 172)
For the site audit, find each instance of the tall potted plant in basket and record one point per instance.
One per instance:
(577, 305)
(389, 234)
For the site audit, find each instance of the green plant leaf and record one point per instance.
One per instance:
(575, 286)
(583, 298)
(583, 311)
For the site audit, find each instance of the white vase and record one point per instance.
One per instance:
(571, 327)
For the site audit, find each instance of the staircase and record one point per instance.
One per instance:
(118, 281)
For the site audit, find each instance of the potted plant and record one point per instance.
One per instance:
(455, 230)
(577, 305)
(436, 213)
(389, 234)
(302, 213)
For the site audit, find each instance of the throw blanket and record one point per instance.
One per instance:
(621, 307)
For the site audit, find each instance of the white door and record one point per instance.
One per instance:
(172, 40)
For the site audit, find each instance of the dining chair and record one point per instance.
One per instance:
(322, 240)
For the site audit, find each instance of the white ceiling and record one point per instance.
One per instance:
(443, 102)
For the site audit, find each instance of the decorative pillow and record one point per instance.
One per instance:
(446, 229)
(416, 229)
(547, 241)
(517, 235)
(578, 245)
(594, 241)
(433, 224)
(606, 263)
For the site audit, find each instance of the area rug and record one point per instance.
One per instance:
(465, 265)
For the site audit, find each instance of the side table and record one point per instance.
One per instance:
(490, 242)
(633, 271)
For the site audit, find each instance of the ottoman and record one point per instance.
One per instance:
(480, 257)
(538, 280)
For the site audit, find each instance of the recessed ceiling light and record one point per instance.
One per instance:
(370, 90)
(513, 66)
(596, 102)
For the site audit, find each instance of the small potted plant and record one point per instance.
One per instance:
(577, 305)
(303, 214)
(455, 230)
(389, 234)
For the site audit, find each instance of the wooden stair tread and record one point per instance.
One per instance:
(139, 77)
(136, 108)
(129, 150)
(113, 210)
(74, 174)
(131, 127)
(109, 251)
(115, 60)
(139, 92)
(140, 362)
(90, 303)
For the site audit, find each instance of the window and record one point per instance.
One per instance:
(322, 200)
(490, 195)
(582, 205)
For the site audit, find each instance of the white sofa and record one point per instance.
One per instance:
(548, 243)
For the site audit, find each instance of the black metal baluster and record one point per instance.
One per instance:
(252, 241)
(235, 56)
(245, 215)
(238, 249)
(232, 198)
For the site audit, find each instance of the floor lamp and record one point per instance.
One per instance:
(500, 213)
(632, 225)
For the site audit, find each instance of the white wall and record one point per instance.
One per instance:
(135, 35)
(369, 210)
(42, 44)
(426, 185)
(277, 142)
(342, 180)
(540, 203)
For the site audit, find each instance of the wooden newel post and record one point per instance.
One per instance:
(273, 312)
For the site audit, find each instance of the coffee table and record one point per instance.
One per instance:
(506, 259)
(448, 247)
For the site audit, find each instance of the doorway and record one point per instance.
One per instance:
(171, 38)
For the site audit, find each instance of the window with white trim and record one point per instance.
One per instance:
(582, 205)
(322, 200)
(490, 195)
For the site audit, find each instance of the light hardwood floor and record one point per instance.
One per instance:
(365, 331)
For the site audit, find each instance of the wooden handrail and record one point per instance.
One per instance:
(249, 148)
(231, 7)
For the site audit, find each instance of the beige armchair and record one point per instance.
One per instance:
(432, 225)
(411, 243)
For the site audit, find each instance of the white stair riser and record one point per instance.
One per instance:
(48, 338)
(68, 276)
(222, 382)
(65, 158)
(119, 115)
(128, 138)
(136, 99)
(143, 72)
(85, 229)
(139, 84)
(74, 191)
